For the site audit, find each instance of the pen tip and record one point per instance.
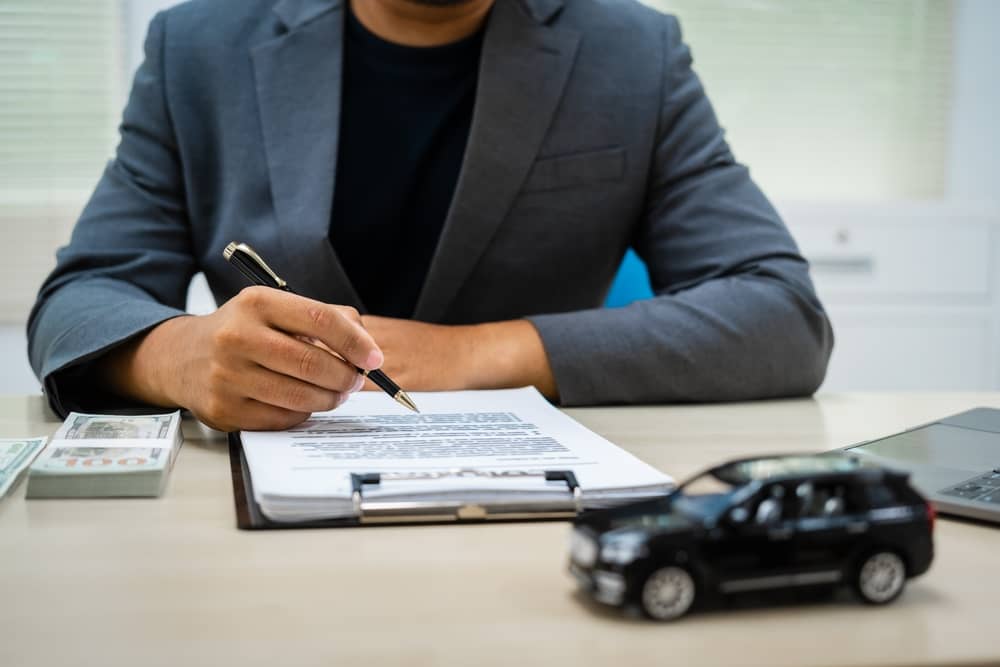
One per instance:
(403, 399)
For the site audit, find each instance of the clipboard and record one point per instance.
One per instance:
(386, 513)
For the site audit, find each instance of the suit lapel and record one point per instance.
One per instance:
(524, 68)
(298, 76)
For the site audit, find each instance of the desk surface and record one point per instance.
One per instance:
(171, 581)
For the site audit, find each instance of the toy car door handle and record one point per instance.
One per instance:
(780, 533)
(857, 526)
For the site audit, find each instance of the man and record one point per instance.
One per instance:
(465, 173)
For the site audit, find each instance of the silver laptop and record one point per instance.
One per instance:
(954, 462)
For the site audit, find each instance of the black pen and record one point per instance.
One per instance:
(251, 265)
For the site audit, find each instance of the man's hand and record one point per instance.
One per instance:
(436, 357)
(247, 365)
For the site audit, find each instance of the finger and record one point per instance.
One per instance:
(282, 391)
(257, 416)
(338, 327)
(314, 341)
(248, 414)
(310, 363)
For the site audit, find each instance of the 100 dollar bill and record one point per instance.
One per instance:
(15, 456)
(107, 456)
(113, 427)
(97, 460)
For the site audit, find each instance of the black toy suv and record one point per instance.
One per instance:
(756, 524)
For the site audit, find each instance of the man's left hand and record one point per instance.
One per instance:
(438, 357)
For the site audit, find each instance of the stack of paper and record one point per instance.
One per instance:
(107, 455)
(476, 446)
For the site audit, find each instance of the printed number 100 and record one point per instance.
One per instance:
(96, 463)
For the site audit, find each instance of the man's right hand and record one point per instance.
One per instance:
(247, 365)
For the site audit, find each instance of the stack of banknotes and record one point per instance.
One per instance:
(101, 456)
(15, 455)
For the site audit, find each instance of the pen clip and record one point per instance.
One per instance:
(244, 249)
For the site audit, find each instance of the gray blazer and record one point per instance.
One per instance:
(591, 133)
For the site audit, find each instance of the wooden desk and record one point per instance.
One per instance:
(173, 582)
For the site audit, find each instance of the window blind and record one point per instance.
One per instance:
(845, 100)
(61, 87)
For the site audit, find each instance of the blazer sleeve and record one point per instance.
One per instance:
(129, 261)
(734, 315)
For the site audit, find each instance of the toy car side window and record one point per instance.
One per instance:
(880, 495)
(771, 506)
(822, 500)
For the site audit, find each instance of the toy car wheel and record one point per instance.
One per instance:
(668, 593)
(881, 577)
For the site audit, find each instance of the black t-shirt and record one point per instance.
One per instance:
(404, 121)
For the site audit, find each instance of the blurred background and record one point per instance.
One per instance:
(870, 123)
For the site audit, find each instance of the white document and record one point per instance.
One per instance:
(479, 446)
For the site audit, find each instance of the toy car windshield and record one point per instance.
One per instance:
(763, 469)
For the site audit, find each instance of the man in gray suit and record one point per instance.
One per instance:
(451, 185)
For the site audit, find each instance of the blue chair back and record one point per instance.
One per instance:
(631, 283)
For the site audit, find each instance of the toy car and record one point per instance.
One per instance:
(757, 524)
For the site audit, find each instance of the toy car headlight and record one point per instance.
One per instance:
(582, 548)
(621, 551)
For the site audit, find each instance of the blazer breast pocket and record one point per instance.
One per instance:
(576, 169)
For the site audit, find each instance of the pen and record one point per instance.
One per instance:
(251, 265)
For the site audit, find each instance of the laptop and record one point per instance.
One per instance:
(954, 462)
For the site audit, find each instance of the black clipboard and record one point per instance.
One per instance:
(250, 517)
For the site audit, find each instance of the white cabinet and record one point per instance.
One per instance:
(911, 291)
(910, 349)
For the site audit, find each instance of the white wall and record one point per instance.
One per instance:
(15, 373)
(974, 172)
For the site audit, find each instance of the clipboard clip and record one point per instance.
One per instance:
(370, 510)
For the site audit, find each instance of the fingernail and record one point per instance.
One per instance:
(374, 359)
(358, 383)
